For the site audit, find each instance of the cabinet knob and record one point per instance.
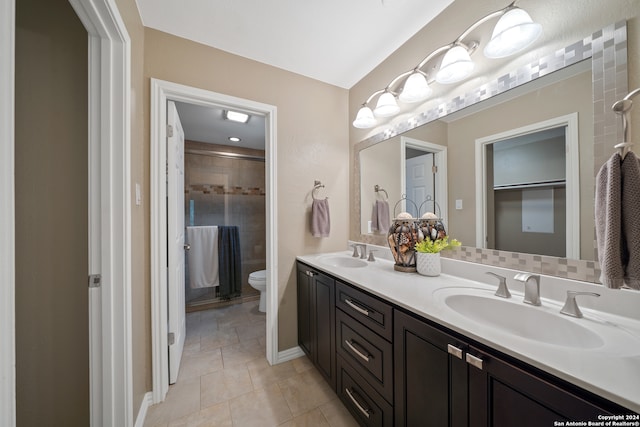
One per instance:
(474, 361)
(310, 273)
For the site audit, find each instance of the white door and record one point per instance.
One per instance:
(420, 181)
(175, 234)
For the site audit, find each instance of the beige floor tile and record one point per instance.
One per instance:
(263, 374)
(242, 352)
(306, 391)
(337, 414)
(182, 399)
(261, 408)
(218, 338)
(302, 364)
(251, 330)
(194, 365)
(214, 416)
(225, 384)
(313, 418)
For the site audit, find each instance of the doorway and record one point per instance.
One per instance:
(161, 93)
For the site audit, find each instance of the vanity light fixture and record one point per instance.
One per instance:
(456, 65)
(387, 105)
(234, 139)
(514, 32)
(415, 89)
(236, 116)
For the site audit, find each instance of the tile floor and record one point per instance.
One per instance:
(225, 379)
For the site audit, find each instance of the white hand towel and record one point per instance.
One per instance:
(320, 220)
(630, 172)
(203, 257)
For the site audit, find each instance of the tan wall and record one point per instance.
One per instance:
(51, 294)
(312, 143)
(140, 240)
(563, 23)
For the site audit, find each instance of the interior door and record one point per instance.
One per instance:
(175, 235)
(420, 181)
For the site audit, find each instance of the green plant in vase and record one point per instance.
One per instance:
(428, 246)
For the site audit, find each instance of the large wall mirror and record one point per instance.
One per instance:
(550, 119)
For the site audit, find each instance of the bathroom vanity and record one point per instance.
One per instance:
(396, 351)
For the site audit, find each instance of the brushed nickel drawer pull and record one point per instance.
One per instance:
(475, 361)
(356, 308)
(364, 411)
(455, 351)
(310, 273)
(356, 351)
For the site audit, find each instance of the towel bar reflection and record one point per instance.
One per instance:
(623, 108)
(378, 189)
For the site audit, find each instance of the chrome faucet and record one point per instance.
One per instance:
(371, 257)
(503, 290)
(571, 307)
(363, 250)
(355, 251)
(531, 287)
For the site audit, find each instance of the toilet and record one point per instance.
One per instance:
(258, 281)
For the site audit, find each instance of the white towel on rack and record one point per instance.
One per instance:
(203, 256)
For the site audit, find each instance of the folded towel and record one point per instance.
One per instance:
(630, 172)
(380, 220)
(320, 221)
(203, 256)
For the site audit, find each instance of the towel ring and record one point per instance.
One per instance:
(378, 189)
(623, 108)
(317, 185)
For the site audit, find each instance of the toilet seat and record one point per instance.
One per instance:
(258, 276)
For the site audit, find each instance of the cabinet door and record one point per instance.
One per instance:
(305, 301)
(324, 326)
(504, 395)
(430, 375)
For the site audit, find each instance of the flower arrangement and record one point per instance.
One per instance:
(429, 246)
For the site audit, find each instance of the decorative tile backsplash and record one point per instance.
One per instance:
(607, 49)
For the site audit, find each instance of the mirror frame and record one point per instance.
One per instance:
(607, 50)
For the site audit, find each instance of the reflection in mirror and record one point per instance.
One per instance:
(527, 187)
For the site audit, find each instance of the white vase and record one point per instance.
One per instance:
(428, 264)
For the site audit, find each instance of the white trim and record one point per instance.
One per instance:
(440, 154)
(111, 384)
(572, 171)
(7, 219)
(290, 354)
(147, 401)
(161, 92)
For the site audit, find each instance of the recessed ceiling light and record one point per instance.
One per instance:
(236, 116)
(234, 139)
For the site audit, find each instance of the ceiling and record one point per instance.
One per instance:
(334, 41)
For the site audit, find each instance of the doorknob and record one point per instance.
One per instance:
(187, 247)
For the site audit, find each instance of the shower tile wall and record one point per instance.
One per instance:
(225, 191)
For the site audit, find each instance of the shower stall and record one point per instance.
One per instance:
(225, 188)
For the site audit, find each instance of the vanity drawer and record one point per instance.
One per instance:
(366, 405)
(369, 354)
(370, 311)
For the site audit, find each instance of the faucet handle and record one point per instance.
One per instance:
(503, 290)
(355, 251)
(570, 307)
(371, 257)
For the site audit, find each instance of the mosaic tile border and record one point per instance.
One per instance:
(222, 190)
(607, 49)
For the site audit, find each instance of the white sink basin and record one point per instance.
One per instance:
(525, 321)
(343, 261)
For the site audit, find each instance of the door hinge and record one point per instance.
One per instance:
(95, 280)
(171, 338)
(434, 169)
(169, 131)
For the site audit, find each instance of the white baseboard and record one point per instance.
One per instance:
(290, 354)
(147, 401)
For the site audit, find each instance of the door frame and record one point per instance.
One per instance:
(440, 155)
(161, 92)
(572, 177)
(109, 246)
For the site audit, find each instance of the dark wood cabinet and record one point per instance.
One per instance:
(316, 319)
(442, 380)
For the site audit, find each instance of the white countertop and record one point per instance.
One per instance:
(611, 371)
